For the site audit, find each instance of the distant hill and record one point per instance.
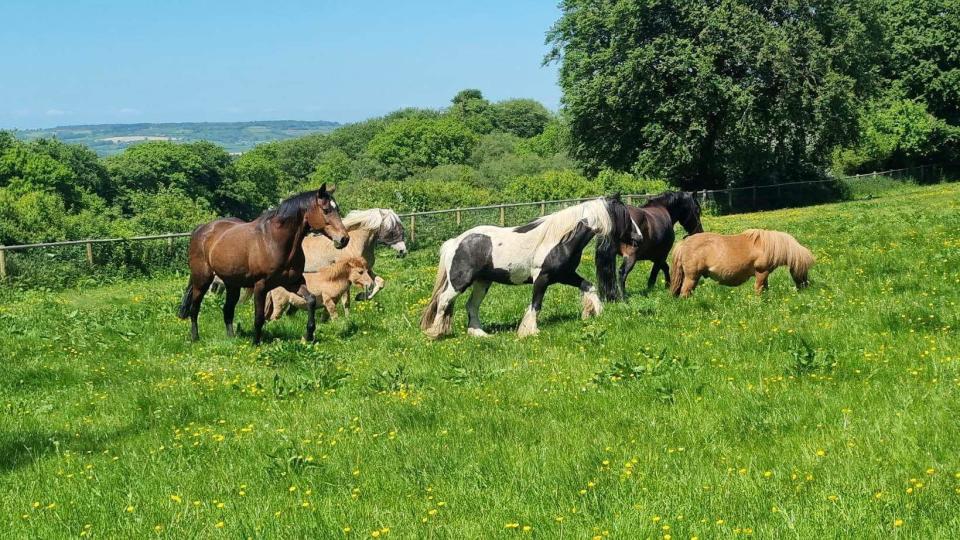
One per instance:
(107, 139)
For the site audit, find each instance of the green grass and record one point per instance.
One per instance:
(830, 412)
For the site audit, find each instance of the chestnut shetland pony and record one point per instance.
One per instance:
(732, 259)
(331, 284)
(263, 254)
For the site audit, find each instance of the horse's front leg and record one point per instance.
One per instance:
(760, 284)
(311, 301)
(528, 326)
(345, 302)
(628, 262)
(259, 303)
(369, 293)
(588, 294)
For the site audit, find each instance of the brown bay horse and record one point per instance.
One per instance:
(656, 220)
(262, 254)
(735, 258)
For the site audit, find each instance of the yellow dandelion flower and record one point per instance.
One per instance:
(176, 498)
(219, 525)
(898, 523)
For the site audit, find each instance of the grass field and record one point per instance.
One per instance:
(832, 412)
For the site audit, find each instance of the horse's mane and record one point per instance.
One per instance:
(666, 199)
(291, 208)
(554, 227)
(782, 249)
(372, 220)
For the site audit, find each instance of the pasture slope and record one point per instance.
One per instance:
(827, 413)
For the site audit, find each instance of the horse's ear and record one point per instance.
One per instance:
(323, 190)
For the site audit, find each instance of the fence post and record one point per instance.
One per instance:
(3, 264)
(170, 245)
(502, 220)
(458, 217)
(543, 209)
(413, 229)
(90, 253)
(630, 200)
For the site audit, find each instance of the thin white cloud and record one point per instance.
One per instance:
(129, 111)
(55, 112)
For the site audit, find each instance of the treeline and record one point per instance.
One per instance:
(738, 92)
(473, 152)
(657, 94)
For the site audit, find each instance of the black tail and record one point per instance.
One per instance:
(606, 261)
(187, 302)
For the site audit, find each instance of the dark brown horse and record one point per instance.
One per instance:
(262, 254)
(657, 218)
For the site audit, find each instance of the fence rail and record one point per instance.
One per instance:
(720, 201)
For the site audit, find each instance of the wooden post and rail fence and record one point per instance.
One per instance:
(704, 196)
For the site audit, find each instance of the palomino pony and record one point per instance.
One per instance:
(542, 252)
(331, 284)
(657, 218)
(262, 254)
(366, 228)
(732, 259)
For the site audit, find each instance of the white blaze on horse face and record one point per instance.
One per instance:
(399, 247)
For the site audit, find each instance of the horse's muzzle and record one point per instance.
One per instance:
(341, 242)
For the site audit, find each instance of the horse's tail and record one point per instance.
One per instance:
(440, 284)
(677, 275)
(606, 262)
(187, 301)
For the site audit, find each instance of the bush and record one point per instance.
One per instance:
(412, 144)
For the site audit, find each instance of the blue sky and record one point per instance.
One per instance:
(86, 61)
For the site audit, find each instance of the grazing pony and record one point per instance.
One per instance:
(732, 259)
(330, 284)
(657, 218)
(542, 252)
(262, 254)
(366, 229)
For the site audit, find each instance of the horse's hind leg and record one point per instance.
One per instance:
(229, 308)
(200, 286)
(444, 317)
(666, 272)
(689, 284)
(474, 327)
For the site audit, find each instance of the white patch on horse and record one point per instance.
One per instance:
(636, 228)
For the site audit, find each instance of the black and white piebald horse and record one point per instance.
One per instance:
(542, 252)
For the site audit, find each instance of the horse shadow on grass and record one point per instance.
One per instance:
(30, 446)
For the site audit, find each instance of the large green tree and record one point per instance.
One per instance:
(923, 53)
(413, 144)
(710, 94)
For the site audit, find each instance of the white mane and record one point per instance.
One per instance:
(372, 220)
(559, 224)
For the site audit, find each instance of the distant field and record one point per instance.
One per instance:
(831, 412)
(108, 139)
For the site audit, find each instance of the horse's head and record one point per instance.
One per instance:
(691, 214)
(391, 233)
(324, 218)
(359, 273)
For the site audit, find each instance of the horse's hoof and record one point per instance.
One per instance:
(477, 332)
(527, 332)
